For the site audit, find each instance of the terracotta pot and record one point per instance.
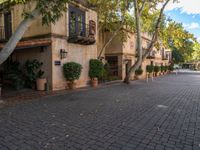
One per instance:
(71, 85)
(40, 83)
(138, 77)
(94, 82)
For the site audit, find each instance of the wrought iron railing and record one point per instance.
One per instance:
(81, 29)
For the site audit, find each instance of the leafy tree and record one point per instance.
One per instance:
(175, 37)
(49, 10)
(196, 53)
(113, 16)
(148, 7)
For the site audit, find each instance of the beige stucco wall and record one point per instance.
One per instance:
(76, 53)
(35, 29)
(36, 53)
(61, 27)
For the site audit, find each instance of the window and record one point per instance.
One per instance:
(76, 22)
(8, 25)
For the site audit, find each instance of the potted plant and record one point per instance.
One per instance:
(166, 69)
(162, 69)
(95, 71)
(138, 73)
(149, 69)
(171, 68)
(72, 72)
(41, 81)
(156, 70)
(32, 72)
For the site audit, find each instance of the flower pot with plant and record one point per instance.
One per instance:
(72, 72)
(171, 68)
(165, 69)
(138, 73)
(32, 73)
(149, 70)
(156, 70)
(162, 70)
(96, 71)
(41, 81)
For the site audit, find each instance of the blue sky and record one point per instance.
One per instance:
(186, 12)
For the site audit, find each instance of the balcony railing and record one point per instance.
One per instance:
(2, 33)
(83, 34)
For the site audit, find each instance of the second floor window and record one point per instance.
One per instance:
(76, 22)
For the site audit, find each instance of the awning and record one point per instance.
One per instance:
(31, 43)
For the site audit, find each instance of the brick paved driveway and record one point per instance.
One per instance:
(160, 115)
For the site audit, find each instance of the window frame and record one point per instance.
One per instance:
(78, 12)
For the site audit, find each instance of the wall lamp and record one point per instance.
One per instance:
(63, 53)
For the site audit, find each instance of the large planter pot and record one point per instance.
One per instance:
(71, 85)
(40, 83)
(138, 77)
(94, 82)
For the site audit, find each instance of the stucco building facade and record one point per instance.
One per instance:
(73, 38)
(121, 55)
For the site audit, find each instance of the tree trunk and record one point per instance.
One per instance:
(139, 44)
(153, 41)
(17, 35)
(109, 41)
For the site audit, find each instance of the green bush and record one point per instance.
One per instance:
(32, 71)
(14, 74)
(96, 69)
(72, 71)
(139, 71)
(171, 67)
(162, 68)
(149, 68)
(156, 69)
(106, 71)
(166, 68)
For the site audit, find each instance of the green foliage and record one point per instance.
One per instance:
(106, 71)
(171, 67)
(149, 68)
(15, 75)
(96, 69)
(162, 68)
(166, 68)
(196, 53)
(139, 71)
(156, 69)
(72, 71)
(50, 10)
(32, 71)
(175, 37)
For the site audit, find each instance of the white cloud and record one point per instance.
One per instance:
(198, 39)
(193, 25)
(186, 6)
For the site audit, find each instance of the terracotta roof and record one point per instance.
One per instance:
(31, 43)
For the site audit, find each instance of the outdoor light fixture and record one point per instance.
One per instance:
(63, 53)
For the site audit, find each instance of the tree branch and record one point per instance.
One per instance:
(157, 28)
(17, 35)
(142, 7)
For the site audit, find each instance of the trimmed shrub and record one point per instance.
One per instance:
(171, 67)
(162, 68)
(139, 71)
(166, 68)
(96, 69)
(149, 68)
(72, 71)
(156, 69)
